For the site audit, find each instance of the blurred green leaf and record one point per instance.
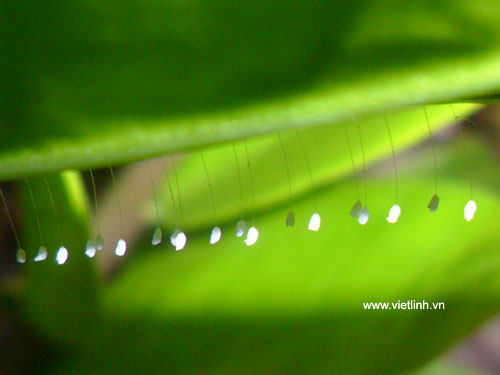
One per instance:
(88, 83)
(91, 83)
(326, 150)
(446, 368)
(60, 300)
(292, 303)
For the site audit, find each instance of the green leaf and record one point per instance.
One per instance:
(293, 303)
(446, 367)
(327, 152)
(60, 300)
(106, 85)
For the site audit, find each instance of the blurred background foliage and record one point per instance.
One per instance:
(87, 84)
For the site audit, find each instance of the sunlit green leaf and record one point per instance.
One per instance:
(325, 148)
(293, 303)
